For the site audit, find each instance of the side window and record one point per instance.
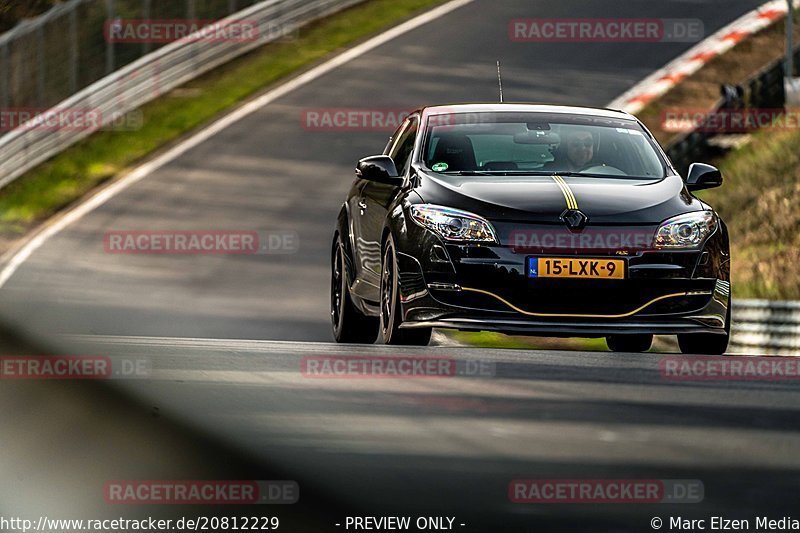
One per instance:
(396, 135)
(402, 149)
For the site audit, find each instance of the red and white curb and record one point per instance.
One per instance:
(664, 79)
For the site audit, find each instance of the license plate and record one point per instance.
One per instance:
(569, 267)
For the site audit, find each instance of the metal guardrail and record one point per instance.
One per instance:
(153, 75)
(48, 58)
(767, 326)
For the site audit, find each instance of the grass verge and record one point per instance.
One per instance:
(490, 339)
(759, 203)
(762, 174)
(69, 176)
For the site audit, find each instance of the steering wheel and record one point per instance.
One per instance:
(603, 169)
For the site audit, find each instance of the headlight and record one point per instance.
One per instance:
(453, 224)
(686, 231)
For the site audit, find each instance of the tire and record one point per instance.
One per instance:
(390, 320)
(639, 342)
(348, 323)
(706, 343)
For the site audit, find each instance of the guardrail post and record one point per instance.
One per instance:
(110, 62)
(40, 67)
(146, 46)
(73, 51)
(5, 92)
(788, 70)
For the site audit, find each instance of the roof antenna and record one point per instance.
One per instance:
(500, 81)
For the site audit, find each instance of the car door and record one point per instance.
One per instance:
(364, 255)
(374, 206)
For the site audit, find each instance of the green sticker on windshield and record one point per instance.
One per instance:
(440, 167)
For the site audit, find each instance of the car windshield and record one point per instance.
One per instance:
(535, 143)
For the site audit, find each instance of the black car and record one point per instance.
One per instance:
(530, 220)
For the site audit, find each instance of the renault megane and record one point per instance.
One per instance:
(532, 220)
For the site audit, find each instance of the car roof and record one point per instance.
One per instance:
(522, 107)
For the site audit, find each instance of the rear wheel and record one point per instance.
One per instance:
(390, 305)
(706, 343)
(630, 342)
(349, 324)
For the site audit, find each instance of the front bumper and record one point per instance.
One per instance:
(567, 329)
(480, 287)
(707, 317)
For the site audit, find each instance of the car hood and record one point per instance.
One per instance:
(540, 199)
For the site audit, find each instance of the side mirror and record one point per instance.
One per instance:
(379, 168)
(702, 176)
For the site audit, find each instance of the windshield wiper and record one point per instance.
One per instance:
(597, 175)
(499, 173)
(537, 173)
(470, 173)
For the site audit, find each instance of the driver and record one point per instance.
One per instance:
(580, 149)
(577, 151)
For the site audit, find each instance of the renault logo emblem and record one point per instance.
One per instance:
(574, 219)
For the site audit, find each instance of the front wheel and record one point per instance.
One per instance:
(629, 342)
(390, 305)
(349, 324)
(706, 343)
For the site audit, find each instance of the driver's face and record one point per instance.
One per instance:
(580, 148)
